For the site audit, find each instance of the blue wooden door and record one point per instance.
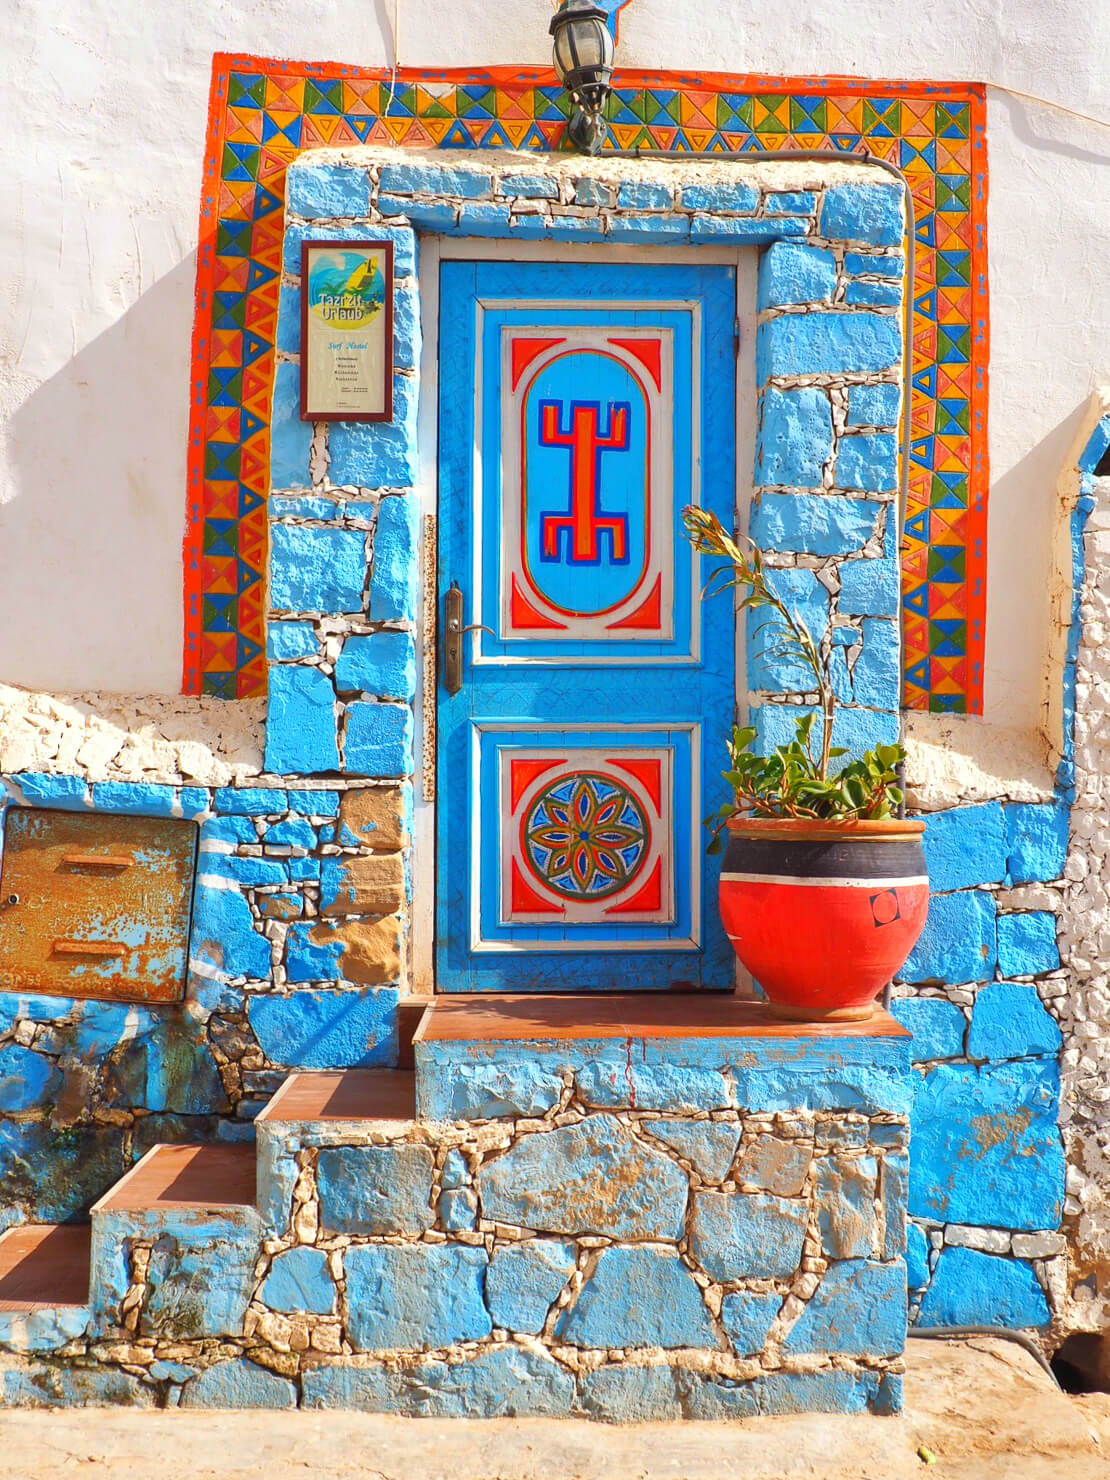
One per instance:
(580, 408)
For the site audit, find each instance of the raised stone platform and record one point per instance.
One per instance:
(625, 1208)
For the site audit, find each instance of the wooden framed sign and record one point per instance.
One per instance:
(346, 331)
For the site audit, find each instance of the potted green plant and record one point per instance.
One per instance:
(823, 888)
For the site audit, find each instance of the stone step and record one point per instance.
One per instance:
(174, 1244)
(318, 1109)
(496, 1056)
(44, 1285)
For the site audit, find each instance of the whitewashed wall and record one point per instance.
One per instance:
(98, 208)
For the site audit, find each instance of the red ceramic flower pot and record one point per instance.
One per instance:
(823, 913)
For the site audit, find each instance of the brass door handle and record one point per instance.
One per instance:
(89, 948)
(453, 630)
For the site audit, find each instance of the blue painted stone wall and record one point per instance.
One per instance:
(295, 961)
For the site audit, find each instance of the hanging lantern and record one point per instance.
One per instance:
(583, 54)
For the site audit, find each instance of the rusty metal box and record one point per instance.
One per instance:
(95, 905)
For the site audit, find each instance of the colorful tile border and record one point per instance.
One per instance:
(263, 112)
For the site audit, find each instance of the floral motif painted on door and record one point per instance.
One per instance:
(581, 407)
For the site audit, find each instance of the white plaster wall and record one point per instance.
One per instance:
(107, 105)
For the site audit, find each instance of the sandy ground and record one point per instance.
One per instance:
(983, 1408)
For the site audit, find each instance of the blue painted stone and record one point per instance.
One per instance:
(721, 197)
(859, 1309)
(917, 1257)
(827, 343)
(26, 1078)
(201, 1275)
(718, 1398)
(860, 264)
(643, 195)
(790, 272)
(863, 213)
(638, 1297)
(375, 1189)
(316, 570)
(877, 675)
(304, 868)
(312, 953)
(54, 1174)
(1037, 838)
(42, 1330)
(676, 1087)
(739, 229)
(1027, 944)
(769, 670)
(795, 437)
(177, 1372)
(844, 1201)
(238, 1384)
(139, 798)
(287, 641)
(293, 832)
(328, 190)
(747, 1318)
(377, 454)
(223, 935)
(790, 202)
(487, 218)
(874, 405)
(299, 1281)
(290, 437)
(394, 579)
(746, 1235)
(648, 229)
(249, 872)
(415, 1295)
(327, 1030)
(877, 295)
(251, 801)
(455, 1171)
(383, 664)
(973, 1289)
(869, 461)
(774, 1164)
(497, 1092)
(965, 846)
(523, 1281)
(958, 943)
(407, 339)
(894, 1194)
(37, 1009)
(46, 1385)
(194, 802)
(531, 187)
(986, 1147)
(938, 1027)
(431, 179)
(314, 803)
(586, 1178)
(625, 1394)
(227, 830)
(303, 506)
(813, 524)
(427, 215)
(707, 1144)
(499, 1382)
(41, 790)
(589, 192)
(1009, 1021)
(378, 740)
(458, 1209)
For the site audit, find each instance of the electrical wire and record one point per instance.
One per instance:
(956, 1333)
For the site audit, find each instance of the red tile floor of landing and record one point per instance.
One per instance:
(347, 1094)
(185, 1177)
(488, 1017)
(43, 1266)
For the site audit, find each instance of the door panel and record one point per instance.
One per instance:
(581, 407)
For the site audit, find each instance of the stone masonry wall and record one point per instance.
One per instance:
(621, 1264)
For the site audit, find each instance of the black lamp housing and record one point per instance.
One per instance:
(583, 54)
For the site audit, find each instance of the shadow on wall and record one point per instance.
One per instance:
(1022, 520)
(91, 596)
